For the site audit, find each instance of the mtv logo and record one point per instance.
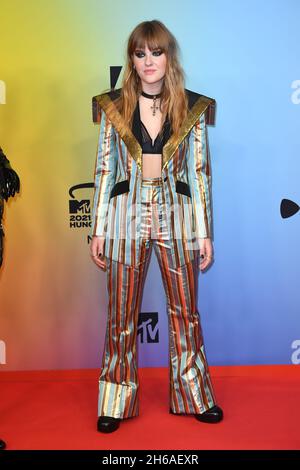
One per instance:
(2, 92)
(148, 327)
(79, 206)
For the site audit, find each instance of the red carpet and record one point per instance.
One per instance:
(58, 410)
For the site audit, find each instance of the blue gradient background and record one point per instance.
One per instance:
(245, 54)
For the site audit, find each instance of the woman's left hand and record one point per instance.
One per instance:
(206, 249)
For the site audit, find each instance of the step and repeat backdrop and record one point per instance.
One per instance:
(54, 57)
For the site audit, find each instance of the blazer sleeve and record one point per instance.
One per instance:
(200, 178)
(104, 175)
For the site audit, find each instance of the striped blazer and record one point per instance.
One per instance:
(186, 176)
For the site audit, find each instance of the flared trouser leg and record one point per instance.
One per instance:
(118, 381)
(191, 389)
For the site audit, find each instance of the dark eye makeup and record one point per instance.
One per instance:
(140, 53)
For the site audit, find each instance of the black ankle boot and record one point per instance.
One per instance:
(213, 415)
(108, 423)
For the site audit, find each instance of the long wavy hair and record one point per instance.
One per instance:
(173, 102)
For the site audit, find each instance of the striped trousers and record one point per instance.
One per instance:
(190, 387)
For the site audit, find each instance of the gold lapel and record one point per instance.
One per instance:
(134, 148)
(194, 113)
(122, 128)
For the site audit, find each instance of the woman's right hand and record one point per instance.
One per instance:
(97, 252)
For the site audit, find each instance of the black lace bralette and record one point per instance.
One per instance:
(143, 137)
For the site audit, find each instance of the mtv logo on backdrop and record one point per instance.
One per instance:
(79, 209)
(2, 352)
(148, 327)
(79, 206)
(295, 97)
(2, 92)
(295, 358)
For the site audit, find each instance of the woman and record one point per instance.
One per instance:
(152, 188)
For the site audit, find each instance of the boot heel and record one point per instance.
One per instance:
(213, 415)
(108, 424)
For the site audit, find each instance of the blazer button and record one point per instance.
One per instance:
(165, 179)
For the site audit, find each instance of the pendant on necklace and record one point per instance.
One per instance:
(154, 107)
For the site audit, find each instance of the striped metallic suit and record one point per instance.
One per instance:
(125, 207)
(185, 176)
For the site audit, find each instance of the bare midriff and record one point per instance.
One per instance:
(151, 165)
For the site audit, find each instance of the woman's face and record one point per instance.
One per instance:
(150, 65)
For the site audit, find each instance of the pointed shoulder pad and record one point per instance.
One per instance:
(210, 108)
(97, 102)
